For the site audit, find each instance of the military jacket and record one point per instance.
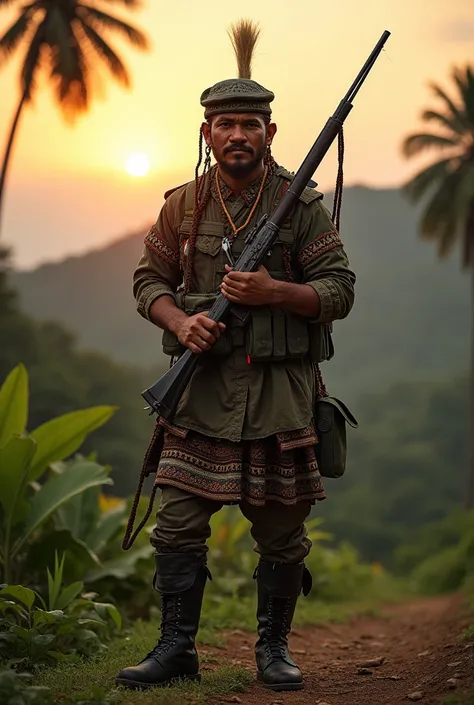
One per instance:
(244, 393)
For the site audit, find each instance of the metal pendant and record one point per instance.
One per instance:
(227, 247)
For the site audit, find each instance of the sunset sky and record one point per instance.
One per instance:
(68, 189)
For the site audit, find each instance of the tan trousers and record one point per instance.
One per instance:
(183, 526)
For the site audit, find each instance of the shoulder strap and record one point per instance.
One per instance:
(189, 199)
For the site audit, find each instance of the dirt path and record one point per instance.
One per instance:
(419, 642)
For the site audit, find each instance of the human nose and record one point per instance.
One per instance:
(238, 134)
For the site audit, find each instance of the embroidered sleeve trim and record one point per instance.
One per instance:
(321, 244)
(155, 242)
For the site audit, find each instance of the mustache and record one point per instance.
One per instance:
(238, 148)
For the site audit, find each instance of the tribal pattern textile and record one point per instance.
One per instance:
(280, 468)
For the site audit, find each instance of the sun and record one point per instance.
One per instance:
(137, 164)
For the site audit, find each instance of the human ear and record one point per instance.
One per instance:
(206, 131)
(271, 132)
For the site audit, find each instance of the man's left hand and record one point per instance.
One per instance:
(248, 288)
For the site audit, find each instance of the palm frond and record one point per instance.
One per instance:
(456, 112)
(427, 179)
(468, 239)
(441, 220)
(14, 34)
(62, 43)
(464, 80)
(102, 20)
(107, 54)
(447, 121)
(32, 60)
(132, 4)
(421, 141)
(68, 67)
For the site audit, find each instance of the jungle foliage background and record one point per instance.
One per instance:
(75, 355)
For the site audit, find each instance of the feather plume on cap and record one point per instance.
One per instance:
(244, 35)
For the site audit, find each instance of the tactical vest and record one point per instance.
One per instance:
(269, 334)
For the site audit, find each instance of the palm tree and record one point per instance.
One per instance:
(64, 38)
(448, 184)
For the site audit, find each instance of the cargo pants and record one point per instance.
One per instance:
(182, 526)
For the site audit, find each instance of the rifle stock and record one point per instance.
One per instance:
(164, 395)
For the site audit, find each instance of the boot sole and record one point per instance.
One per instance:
(138, 685)
(279, 686)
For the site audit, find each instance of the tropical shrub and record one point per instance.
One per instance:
(68, 626)
(16, 689)
(34, 482)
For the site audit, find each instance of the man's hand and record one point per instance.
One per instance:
(248, 288)
(198, 332)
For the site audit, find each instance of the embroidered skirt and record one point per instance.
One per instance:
(280, 468)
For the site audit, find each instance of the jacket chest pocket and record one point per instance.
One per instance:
(207, 247)
(275, 260)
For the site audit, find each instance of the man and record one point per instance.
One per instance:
(243, 432)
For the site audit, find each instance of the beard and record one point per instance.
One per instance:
(242, 169)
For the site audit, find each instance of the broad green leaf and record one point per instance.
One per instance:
(13, 404)
(68, 595)
(41, 617)
(108, 525)
(43, 639)
(58, 489)
(79, 558)
(113, 612)
(88, 620)
(61, 437)
(119, 568)
(23, 633)
(57, 656)
(81, 514)
(15, 459)
(19, 593)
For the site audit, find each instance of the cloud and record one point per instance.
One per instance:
(460, 30)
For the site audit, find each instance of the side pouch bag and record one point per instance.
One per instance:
(331, 416)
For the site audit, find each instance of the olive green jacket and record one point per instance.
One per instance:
(229, 396)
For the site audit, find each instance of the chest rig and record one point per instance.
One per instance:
(268, 334)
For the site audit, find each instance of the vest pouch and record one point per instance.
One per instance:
(321, 347)
(331, 416)
(259, 340)
(279, 334)
(297, 337)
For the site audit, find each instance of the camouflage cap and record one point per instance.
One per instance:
(237, 95)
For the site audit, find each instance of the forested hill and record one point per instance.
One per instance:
(410, 319)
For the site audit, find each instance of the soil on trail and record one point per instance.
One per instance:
(418, 643)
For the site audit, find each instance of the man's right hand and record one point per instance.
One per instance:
(198, 332)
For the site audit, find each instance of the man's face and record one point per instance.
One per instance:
(239, 141)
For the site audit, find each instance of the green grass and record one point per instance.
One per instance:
(89, 682)
(468, 634)
(95, 679)
(459, 699)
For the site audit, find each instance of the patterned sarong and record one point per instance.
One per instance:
(281, 468)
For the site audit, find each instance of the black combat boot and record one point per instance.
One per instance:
(180, 579)
(279, 586)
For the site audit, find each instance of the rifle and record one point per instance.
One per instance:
(164, 395)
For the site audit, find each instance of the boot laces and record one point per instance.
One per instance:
(170, 615)
(278, 628)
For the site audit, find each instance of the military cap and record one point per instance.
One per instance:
(236, 95)
(242, 94)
